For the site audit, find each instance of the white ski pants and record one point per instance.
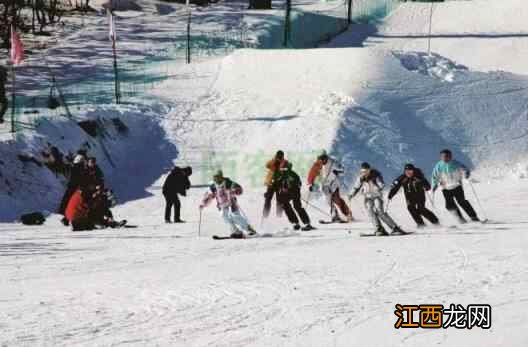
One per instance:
(235, 220)
(377, 212)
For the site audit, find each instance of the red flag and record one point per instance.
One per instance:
(17, 48)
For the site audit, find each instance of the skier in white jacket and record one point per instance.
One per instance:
(225, 191)
(370, 184)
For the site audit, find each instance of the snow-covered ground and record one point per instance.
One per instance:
(381, 99)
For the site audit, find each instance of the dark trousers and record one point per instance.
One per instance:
(418, 210)
(286, 200)
(268, 197)
(458, 195)
(172, 201)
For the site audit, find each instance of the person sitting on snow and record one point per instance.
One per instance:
(449, 173)
(370, 184)
(225, 191)
(327, 171)
(288, 186)
(99, 205)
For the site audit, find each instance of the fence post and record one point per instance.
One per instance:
(287, 24)
(189, 37)
(349, 12)
(13, 98)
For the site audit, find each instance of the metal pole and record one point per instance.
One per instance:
(188, 37)
(349, 15)
(287, 24)
(430, 29)
(200, 224)
(478, 201)
(13, 98)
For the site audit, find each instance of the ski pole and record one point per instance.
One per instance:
(478, 200)
(316, 208)
(200, 224)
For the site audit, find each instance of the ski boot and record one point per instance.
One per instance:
(237, 235)
(397, 231)
(65, 221)
(475, 219)
(380, 231)
(251, 231)
(307, 227)
(179, 221)
(421, 226)
(296, 226)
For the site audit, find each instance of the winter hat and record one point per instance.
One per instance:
(446, 151)
(365, 166)
(279, 154)
(409, 167)
(218, 174)
(78, 159)
(188, 170)
(323, 156)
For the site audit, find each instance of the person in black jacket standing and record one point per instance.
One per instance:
(176, 183)
(414, 186)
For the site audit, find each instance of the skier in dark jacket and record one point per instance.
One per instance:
(414, 186)
(176, 183)
(288, 186)
(76, 180)
(3, 98)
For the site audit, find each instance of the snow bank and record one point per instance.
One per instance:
(131, 160)
(432, 65)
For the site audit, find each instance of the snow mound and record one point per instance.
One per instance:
(432, 64)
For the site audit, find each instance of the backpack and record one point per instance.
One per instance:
(35, 218)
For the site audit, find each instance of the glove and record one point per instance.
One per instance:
(202, 206)
(467, 174)
(435, 188)
(313, 188)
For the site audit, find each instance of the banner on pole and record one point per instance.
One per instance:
(17, 48)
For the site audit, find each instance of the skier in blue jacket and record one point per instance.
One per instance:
(449, 173)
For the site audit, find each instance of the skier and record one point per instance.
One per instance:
(449, 173)
(225, 191)
(273, 167)
(414, 186)
(288, 186)
(327, 171)
(370, 184)
(3, 98)
(76, 179)
(176, 183)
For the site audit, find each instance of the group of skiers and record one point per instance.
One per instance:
(86, 202)
(283, 183)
